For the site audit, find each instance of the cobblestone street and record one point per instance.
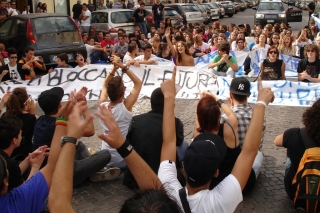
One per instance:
(267, 196)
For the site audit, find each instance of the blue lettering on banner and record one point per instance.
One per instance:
(282, 85)
(303, 93)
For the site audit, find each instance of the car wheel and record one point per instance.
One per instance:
(221, 16)
(230, 15)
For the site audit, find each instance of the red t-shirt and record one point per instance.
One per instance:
(105, 43)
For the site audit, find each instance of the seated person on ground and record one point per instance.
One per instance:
(272, 68)
(147, 58)
(15, 71)
(32, 61)
(309, 67)
(223, 64)
(80, 60)
(85, 164)
(120, 48)
(96, 52)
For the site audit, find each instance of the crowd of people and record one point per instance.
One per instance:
(42, 157)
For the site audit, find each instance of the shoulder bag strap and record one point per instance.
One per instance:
(307, 140)
(184, 201)
(234, 134)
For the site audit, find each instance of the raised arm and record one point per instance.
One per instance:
(104, 92)
(60, 196)
(283, 68)
(55, 148)
(243, 165)
(137, 84)
(143, 174)
(168, 151)
(167, 34)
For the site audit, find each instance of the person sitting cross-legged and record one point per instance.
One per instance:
(85, 164)
(223, 64)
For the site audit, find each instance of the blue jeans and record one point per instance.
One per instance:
(143, 27)
(86, 164)
(96, 55)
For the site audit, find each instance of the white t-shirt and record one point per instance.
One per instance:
(25, 12)
(123, 118)
(87, 21)
(266, 47)
(15, 13)
(89, 49)
(204, 46)
(126, 58)
(152, 58)
(14, 73)
(224, 198)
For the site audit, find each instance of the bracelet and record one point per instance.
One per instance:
(220, 102)
(262, 102)
(35, 167)
(125, 149)
(111, 74)
(62, 121)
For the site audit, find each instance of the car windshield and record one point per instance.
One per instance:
(226, 3)
(53, 25)
(121, 17)
(170, 13)
(99, 17)
(205, 6)
(270, 6)
(190, 8)
(212, 6)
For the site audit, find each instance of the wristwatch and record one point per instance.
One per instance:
(220, 102)
(66, 139)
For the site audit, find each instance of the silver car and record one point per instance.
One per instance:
(214, 11)
(204, 13)
(193, 14)
(110, 20)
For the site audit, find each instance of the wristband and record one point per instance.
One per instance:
(125, 149)
(262, 102)
(125, 69)
(111, 74)
(62, 121)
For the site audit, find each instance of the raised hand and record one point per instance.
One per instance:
(114, 137)
(264, 94)
(36, 158)
(76, 126)
(167, 32)
(168, 87)
(5, 97)
(66, 109)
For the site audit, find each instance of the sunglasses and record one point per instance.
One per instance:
(13, 57)
(310, 51)
(273, 52)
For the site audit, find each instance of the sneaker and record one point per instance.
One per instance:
(105, 174)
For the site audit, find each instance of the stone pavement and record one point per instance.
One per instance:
(267, 196)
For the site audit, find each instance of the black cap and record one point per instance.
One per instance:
(49, 99)
(203, 157)
(240, 86)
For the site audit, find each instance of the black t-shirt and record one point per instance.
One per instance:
(295, 149)
(313, 69)
(169, 57)
(140, 15)
(195, 52)
(312, 7)
(272, 70)
(28, 123)
(158, 11)
(15, 177)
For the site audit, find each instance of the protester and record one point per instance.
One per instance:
(101, 5)
(309, 67)
(158, 14)
(26, 10)
(241, 45)
(131, 54)
(274, 40)
(62, 61)
(16, 71)
(120, 48)
(223, 64)
(77, 10)
(13, 9)
(155, 43)
(272, 68)
(80, 60)
(139, 18)
(262, 43)
(164, 52)
(39, 8)
(285, 47)
(180, 53)
(114, 89)
(34, 62)
(301, 42)
(3, 11)
(146, 58)
(96, 52)
(85, 17)
(298, 141)
(214, 43)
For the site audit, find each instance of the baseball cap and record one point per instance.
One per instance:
(240, 86)
(203, 157)
(49, 99)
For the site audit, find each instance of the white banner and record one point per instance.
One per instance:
(287, 93)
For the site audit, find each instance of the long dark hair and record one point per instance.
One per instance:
(16, 101)
(311, 121)
(186, 50)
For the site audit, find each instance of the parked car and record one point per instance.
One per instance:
(110, 20)
(204, 13)
(187, 12)
(176, 19)
(221, 9)
(214, 10)
(272, 11)
(242, 4)
(249, 3)
(228, 7)
(48, 33)
(236, 7)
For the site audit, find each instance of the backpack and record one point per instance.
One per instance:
(307, 178)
